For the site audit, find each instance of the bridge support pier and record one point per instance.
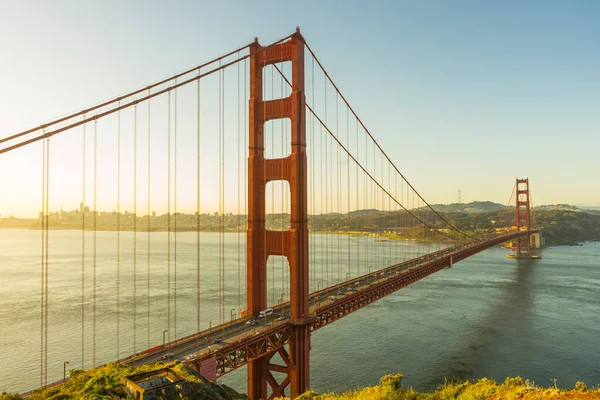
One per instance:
(293, 244)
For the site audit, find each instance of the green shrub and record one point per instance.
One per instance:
(581, 387)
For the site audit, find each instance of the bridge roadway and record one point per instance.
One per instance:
(235, 343)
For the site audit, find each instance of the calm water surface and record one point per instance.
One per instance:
(488, 316)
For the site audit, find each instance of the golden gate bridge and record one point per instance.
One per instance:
(261, 144)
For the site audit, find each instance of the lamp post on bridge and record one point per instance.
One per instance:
(318, 295)
(165, 331)
(231, 314)
(348, 279)
(65, 371)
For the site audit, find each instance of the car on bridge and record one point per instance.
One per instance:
(251, 322)
(216, 341)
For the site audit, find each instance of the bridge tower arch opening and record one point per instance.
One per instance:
(293, 243)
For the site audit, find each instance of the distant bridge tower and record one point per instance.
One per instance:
(523, 218)
(293, 244)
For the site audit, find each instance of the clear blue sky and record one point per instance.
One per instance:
(461, 94)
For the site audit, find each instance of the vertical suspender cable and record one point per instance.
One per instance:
(94, 282)
(119, 234)
(222, 187)
(46, 269)
(175, 215)
(311, 241)
(327, 171)
(367, 205)
(43, 263)
(321, 166)
(272, 186)
(148, 227)
(220, 138)
(348, 189)
(245, 143)
(239, 216)
(357, 206)
(169, 215)
(223, 202)
(134, 227)
(198, 208)
(338, 190)
(313, 176)
(283, 136)
(396, 220)
(83, 250)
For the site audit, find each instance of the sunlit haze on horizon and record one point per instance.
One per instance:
(461, 95)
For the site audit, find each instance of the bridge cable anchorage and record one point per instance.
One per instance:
(377, 144)
(83, 206)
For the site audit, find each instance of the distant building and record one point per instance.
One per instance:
(162, 383)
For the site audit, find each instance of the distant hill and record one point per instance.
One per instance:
(472, 207)
(569, 207)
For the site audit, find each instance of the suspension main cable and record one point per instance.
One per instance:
(122, 97)
(378, 146)
(364, 170)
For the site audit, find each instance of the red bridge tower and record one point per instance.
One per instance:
(293, 244)
(523, 218)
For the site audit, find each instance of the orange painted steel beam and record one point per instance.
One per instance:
(264, 345)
